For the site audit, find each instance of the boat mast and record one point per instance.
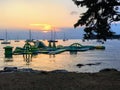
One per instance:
(6, 35)
(51, 35)
(30, 34)
(54, 35)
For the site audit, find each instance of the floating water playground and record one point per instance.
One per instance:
(40, 48)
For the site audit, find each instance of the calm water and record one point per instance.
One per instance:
(109, 58)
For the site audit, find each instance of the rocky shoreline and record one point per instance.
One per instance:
(12, 78)
(30, 70)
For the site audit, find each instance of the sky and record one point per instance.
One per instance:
(38, 14)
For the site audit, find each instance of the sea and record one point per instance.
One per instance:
(92, 60)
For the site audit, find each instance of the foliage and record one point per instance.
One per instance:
(98, 17)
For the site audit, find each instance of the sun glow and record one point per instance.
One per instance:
(43, 27)
(41, 14)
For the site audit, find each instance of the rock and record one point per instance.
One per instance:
(26, 70)
(59, 71)
(10, 69)
(93, 64)
(108, 69)
(41, 72)
(80, 65)
(44, 72)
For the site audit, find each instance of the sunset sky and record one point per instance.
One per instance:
(19, 16)
(38, 14)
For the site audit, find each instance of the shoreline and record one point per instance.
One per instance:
(106, 79)
(30, 70)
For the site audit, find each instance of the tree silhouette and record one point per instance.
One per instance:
(98, 17)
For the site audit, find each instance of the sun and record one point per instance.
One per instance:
(42, 27)
(47, 27)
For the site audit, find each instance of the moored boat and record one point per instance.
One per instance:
(5, 41)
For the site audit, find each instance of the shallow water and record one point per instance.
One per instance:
(108, 58)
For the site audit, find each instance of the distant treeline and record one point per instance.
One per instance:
(112, 37)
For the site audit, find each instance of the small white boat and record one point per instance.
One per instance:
(30, 37)
(65, 39)
(5, 41)
(17, 41)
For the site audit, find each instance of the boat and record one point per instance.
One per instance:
(17, 40)
(1, 39)
(5, 41)
(65, 39)
(30, 37)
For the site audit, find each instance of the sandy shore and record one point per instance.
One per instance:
(104, 80)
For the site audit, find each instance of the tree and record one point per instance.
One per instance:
(98, 17)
